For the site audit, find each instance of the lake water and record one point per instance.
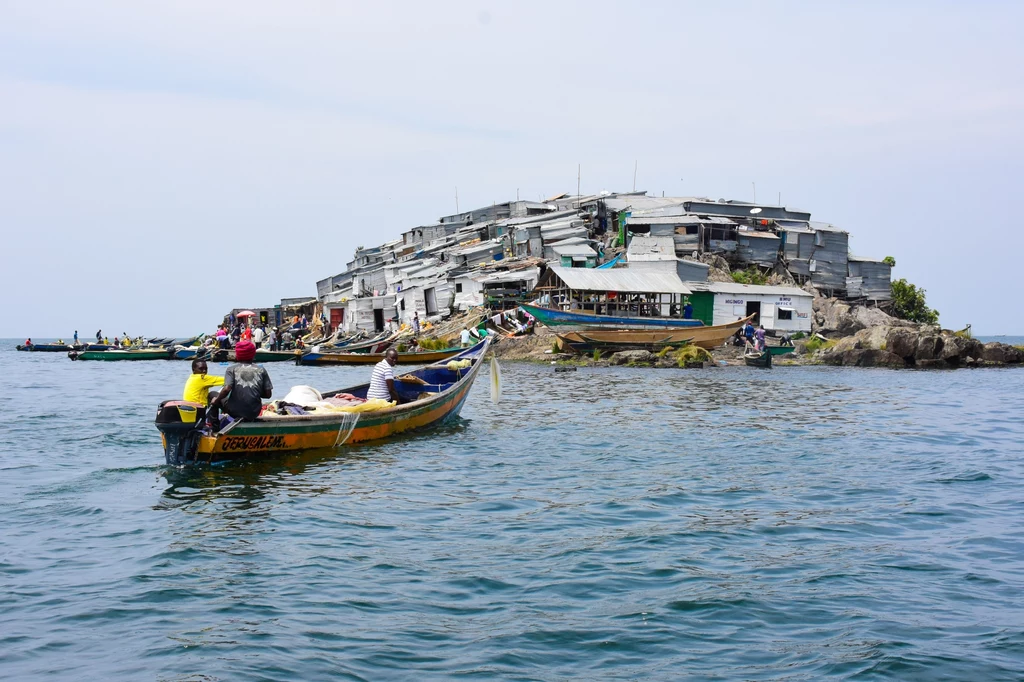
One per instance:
(798, 523)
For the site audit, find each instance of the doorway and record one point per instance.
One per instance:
(378, 319)
(430, 301)
(754, 308)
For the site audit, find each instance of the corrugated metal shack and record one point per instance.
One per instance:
(658, 254)
(869, 279)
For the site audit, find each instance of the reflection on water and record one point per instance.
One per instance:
(607, 523)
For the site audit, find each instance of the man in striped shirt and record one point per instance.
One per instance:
(382, 381)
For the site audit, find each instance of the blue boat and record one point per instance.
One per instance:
(551, 317)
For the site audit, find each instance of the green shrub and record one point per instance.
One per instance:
(749, 276)
(688, 354)
(908, 303)
(816, 343)
(664, 351)
(597, 354)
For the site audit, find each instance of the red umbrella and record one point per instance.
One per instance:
(245, 313)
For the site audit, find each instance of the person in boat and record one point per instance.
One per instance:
(99, 336)
(117, 342)
(245, 387)
(382, 381)
(247, 333)
(257, 336)
(28, 343)
(465, 336)
(60, 342)
(106, 341)
(688, 310)
(198, 384)
(272, 339)
(76, 337)
(286, 340)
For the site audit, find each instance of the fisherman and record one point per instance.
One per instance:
(76, 337)
(688, 310)
(99, 336)
(286, 340)
(198, 383)
(117, 342)
(759, 335)
(28, 343)
(382, 381)
(245, 386)
(106, 341)
(416, 323)
(272, 339)
(748, 332)
(465, 337)
(257, 336)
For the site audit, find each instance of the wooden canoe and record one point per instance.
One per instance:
(142, 354)
(416, 358)
(706, 337)
(578, 320)
(758, 359)
(437, 402)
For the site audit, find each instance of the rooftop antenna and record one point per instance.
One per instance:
(456, 198)
(754, 185)
(579, 172)
(780, 199)
(634, 175)
(753, 213)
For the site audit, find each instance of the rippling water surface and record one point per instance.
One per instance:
(798, 523)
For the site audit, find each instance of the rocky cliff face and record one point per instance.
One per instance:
(869, 337)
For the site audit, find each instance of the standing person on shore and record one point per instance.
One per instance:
(416, 323)
(245, 387)
(272, 339)
(688, 310)
(257, 336)
(286, 340)
(759, 335)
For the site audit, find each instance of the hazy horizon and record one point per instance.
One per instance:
(164, 164)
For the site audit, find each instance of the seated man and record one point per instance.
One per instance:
(382, 381)
(245, 386)
(198, 383)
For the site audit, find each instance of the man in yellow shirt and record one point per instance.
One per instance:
(198, 384)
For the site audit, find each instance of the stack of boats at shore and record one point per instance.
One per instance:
(353, 350)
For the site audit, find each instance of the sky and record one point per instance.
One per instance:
(162, 163)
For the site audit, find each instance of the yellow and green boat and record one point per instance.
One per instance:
(437, 397)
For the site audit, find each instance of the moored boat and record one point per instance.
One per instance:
(758, 359)
(436, 398)
(708, 337)
(48, 347)
(578, 321)
(780, 350)
(140, 354)
(228, 355)
(408, 358)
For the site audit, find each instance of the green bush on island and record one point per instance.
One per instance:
(816, 343)
(908, 303)
(688, 354)
(749, 276)
(597, 354)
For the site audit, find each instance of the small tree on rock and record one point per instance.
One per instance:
(908, 303)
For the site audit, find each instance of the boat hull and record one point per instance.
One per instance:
(575, 320)
(243, 440)
(759, 360)
(622, 339)
(47, 348)
(373, 358)
(113, 355)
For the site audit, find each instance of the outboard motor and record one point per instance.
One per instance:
(180, 423)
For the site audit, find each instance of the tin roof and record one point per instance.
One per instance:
(620, 279)
(753, 289)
